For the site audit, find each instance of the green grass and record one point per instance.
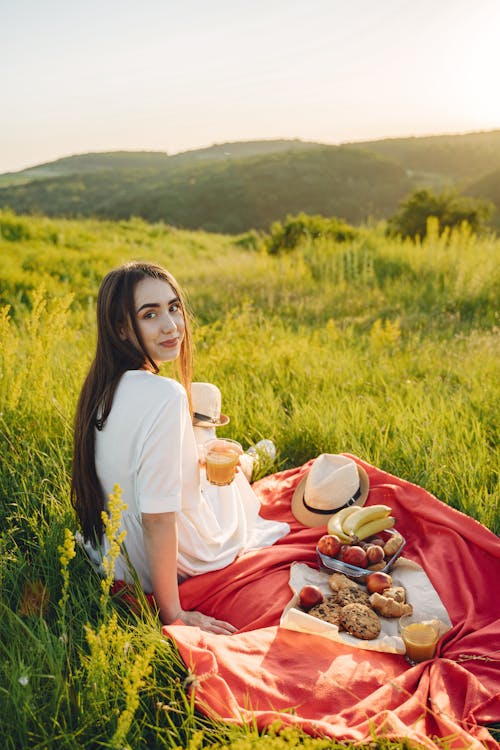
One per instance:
(385, 349)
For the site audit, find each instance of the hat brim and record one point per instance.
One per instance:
(314, 520)
(223, 420)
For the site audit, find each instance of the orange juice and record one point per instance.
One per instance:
(222, 457)
(420, 639)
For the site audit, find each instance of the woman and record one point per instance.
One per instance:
(133, 428)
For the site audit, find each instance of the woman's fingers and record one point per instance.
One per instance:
(208, 623)
(217, 626)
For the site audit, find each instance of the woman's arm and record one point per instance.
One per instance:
(160, 542)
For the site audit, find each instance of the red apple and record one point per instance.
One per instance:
(309, 596)
(377, 582)
(330, 545)
(354, 555)
(343, 547)
(374, 554)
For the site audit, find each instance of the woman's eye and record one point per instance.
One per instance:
(149, 315)
(174, 308)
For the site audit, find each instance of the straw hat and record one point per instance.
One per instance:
(206, 399)
(333, 482)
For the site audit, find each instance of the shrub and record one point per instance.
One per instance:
(12, 228)
(450, 209)
(249, 240)
(286, 236)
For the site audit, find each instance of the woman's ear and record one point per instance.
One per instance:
(123, 332)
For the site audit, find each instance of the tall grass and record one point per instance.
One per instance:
(385, 349)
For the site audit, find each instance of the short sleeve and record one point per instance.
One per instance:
(160, 464)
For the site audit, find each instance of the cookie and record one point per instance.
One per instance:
(328, 610)
(338, 581)
(360, 621)
(347, 591)
(351, 595)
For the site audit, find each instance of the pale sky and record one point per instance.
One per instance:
(81, 76)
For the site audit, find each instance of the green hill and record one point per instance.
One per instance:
(225, 194)
(118, 161)
(441, 159)
(487, 188)
(233, 187)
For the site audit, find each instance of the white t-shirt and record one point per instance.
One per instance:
(147, 446)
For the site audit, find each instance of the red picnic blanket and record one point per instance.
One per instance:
(266, 674)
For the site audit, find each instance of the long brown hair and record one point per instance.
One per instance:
(113, 357)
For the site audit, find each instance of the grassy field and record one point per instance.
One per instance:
(384, 349)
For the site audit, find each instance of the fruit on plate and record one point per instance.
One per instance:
(374, 554)
(335, 523)
(330, 545)
(374, 527)
(309, 596)
(368, 553)
(393, 544)
(363, 516)
(355, 524)
(377, 582)
(377, 566)
(354, 555)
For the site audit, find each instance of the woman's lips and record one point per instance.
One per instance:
(169, 343)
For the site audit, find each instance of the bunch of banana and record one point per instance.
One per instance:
(360, 523)
(336, 523)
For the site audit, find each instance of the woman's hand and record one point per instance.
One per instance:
(246, 466)
(205, 622)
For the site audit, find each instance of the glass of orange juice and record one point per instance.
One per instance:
(222, 456)
(420, 636)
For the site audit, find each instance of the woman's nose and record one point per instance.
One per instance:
(168, 323)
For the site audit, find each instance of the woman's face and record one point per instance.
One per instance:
(160, 320)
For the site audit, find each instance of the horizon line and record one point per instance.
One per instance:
(252, 140)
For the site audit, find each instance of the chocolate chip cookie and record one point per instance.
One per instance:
(328, 610)
(360, 621)
(351, 595)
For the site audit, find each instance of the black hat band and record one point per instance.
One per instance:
(330, 512)
(205, 418)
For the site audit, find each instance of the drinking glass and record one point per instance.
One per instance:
(420, 635)
(222, 456)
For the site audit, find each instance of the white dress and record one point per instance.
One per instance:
(148, 447)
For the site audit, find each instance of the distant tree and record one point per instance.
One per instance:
(288, 234)
(449, 208)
